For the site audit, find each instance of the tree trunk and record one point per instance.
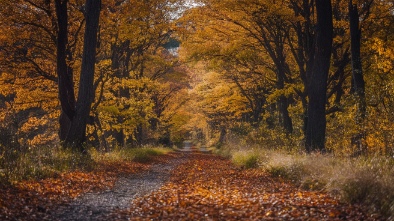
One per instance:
(358, 83)
(317, 85)
(284, 117)
(303, 51)
(64, 72)
(139, 135)
(222, 136)
(357, 72)
(77, 133)
(286, 121)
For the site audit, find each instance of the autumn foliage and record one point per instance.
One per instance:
(262, 56)
(287, 76)
(211, 188)
(35, 199)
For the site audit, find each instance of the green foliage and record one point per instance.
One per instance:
(142, 154)
(112, 110)
(246, 159)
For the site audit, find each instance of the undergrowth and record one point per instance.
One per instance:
(249, 159)
(43, 162)
(364, 180)
(142, 155)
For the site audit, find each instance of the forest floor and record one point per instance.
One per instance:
(176, 186)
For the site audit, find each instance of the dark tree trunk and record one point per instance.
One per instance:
(64, 72)
(303, 51)
(256, 113)
(101, 138)
(317, 85)
(77, 133)
(139, 135)
(119, 135)
(340, 62)
(222, 136)
(358, 84)
(284, 117)
(357, 73)
(286, 121)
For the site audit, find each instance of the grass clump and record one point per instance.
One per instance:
(364, 180)
(371, 181)
(368, 181)
(142, 154)
(223, 152)
(43, 162)
(246, 159)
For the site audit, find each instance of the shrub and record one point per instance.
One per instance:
(144, 155)
(246, 159)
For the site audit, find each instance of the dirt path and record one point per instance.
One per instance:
(188, 186)
(210, 188)
(97, 206)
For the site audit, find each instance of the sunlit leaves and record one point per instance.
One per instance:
(210, 188)
(37, 199)
(219, 100)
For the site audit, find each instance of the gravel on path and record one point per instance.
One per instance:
(98, 206)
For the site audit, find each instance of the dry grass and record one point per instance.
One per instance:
(246, 159)
(365, 180)
(43, 162)
(143, 154)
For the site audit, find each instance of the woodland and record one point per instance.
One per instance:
(255, 81)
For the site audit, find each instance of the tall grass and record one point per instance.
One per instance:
(142, 154)
(365, 180)
(246, 159)
(43, 162)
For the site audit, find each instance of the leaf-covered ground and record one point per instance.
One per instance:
(211, 188)
(203, 187)
(34, 200)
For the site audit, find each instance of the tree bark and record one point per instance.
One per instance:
(357, 72)
(358, 82)
(77, 133)
(64, 72)
(285, 118)
(303, 50)
(317, 85)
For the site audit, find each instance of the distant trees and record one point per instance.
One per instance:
(144, 77)
(298, 56)
(126, 81)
